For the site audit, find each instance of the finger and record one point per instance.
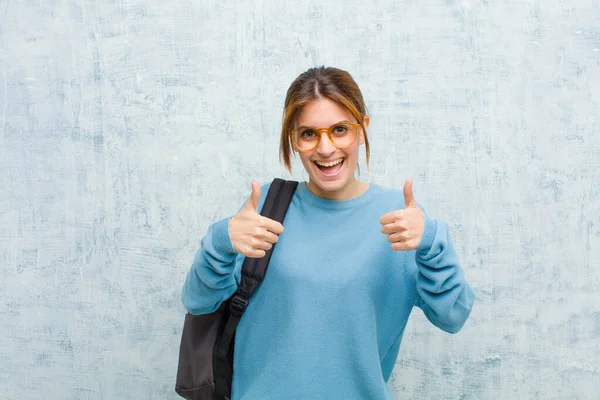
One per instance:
(255, 194)
(254, 197)
(256, 253)
(391, 217)
(405, 245)
(258, 244)
(271, 225)
(398, 237)
(409, 198)
(396, 226)
(262, 245)
(400, 246)
(269, 237)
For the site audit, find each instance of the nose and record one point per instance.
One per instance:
(325, 148)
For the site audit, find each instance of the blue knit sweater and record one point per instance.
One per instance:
(328, 319)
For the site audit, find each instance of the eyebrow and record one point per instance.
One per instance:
(312, 126)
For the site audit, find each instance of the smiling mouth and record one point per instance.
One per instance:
(330, 168)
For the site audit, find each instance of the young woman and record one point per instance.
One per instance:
(352, 262)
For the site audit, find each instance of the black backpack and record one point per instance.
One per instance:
(205, 366)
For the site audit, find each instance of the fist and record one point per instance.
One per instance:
(404, 228)
(251, 233)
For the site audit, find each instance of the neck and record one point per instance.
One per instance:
(351, 190)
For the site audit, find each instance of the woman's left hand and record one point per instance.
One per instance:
(404, 228)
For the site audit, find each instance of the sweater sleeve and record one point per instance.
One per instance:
(211, 278)
(443, 293)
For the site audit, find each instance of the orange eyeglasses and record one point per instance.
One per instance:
(342, 135)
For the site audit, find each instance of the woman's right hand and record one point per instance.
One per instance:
(251, 233)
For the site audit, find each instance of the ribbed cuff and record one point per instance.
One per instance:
(220, 237)
(428, 235)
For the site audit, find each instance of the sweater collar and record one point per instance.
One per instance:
(306, 195)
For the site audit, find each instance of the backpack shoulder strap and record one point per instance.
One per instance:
(253, 271)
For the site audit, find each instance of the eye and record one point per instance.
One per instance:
(340, 129)
(308, 133)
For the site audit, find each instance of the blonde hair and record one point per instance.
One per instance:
(313, 84)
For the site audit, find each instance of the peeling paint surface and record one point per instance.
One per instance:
(127, 127)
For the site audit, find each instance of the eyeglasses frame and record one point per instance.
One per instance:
(328, 131)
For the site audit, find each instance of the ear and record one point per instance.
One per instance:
(366, 121)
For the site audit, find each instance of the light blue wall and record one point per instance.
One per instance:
(126, 127)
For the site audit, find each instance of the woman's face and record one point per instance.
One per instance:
(336, 182)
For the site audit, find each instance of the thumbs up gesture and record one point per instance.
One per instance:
(251, 233)
(404, 228)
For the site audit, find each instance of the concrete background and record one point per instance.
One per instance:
(126, 127)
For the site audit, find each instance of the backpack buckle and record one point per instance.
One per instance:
(238, 305)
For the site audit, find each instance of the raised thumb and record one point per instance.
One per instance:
(255, 196)
(409, 198)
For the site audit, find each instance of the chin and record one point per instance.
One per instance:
(330, 184)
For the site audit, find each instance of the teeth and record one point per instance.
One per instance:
(330, 164)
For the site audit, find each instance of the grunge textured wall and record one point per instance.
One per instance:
(126, 127)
